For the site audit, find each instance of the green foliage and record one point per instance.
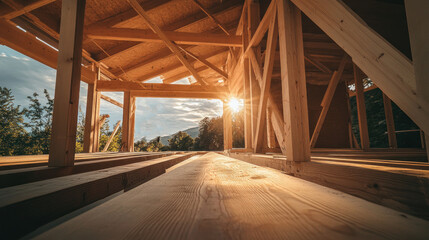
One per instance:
(12, 132)
(211, 134)
(181, 141)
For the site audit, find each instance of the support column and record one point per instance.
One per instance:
(66, 101)
(91, 118)
(294, 89)
(390, 123)
(361, 109)
(418, 19)
(247, 91)
(227, 127)
(128, 121)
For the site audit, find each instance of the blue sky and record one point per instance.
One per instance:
(154, 116)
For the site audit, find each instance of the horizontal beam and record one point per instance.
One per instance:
(178, 94)
(120, 86)
(112, 101)
(139, 35)
(28, 45)
(24, 9)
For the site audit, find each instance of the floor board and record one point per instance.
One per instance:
(217, 197)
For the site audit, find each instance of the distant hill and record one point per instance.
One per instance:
(193, 132)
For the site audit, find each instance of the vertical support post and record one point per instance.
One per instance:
(361, 109)
(66, 102)
(91, 117)
(253, 19)
(247, 91)
(294, 89)
(227, 127)
(417, 19)
(390, 123)
(97, 122)
(128, 121)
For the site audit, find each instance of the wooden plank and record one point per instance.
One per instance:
(327, 99)
(115, 86)
(179, 94)
(126, 122)
(248, 141)
(227, 127)
(166, 40)
(139, 35)
(31, 205)
(266, 84)
(182, 75)
(65, 113)
(390, 70)
(361, 109)
(318, 64)
(294, 92)
(28, 45)
(112, 101)
(213, 18)
(390, 122)
(222, 192)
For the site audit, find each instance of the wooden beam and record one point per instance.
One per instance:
(112, 101)
(28, 45)
(213, 18)
(139, 35)
(65, 113)
(111, 137)
(178, 94)
(361, 109)
(182, 75)
(266, 84)
(248, 141)
(318, 64)
(207, 63)
(127, 143)
(294, 92)
(227, 126)
(417, 19)
(327, 99)
(114, 86)
(390, 122)
(164, 38)
(23, 9)
(389, 69)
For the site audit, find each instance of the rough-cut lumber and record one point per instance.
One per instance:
(223, 198)
(28, 45)
(266, 84)
(207, 63)
(172, 46)
(294, 91)
(327, 99)
(24, 9)
(135, 86)
(25, 207)
(138, 35)
(361, 109)
(387, 67)
(112, 101)
(65, 113)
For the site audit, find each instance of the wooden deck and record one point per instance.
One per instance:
(218, 197)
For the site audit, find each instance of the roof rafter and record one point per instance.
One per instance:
(22, 9)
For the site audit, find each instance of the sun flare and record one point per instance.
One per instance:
(235, 105)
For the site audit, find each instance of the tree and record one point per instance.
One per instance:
(210, 136)
(181, 141)
(40, 123)
(154, 145)
(140, 145)
(12, 132)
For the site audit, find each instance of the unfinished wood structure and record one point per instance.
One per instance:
(295, 63)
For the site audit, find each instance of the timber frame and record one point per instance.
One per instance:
(273, 54)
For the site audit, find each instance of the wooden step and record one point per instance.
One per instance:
(15, 177)
(25, 207)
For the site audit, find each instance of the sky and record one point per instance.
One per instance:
(154, 116)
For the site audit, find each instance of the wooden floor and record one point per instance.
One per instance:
(217, 197)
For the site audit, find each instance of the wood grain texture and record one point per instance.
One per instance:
(216, 197)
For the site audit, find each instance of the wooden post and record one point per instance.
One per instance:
(361, 109)
(64, 123)
(253, 19)
(247, 91)
(390, 123)
(97, 122)
(227, 127)
(90, 117)
(418, 19)
(294, 91)
(128, 121)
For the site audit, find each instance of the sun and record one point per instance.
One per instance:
(235, 105)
